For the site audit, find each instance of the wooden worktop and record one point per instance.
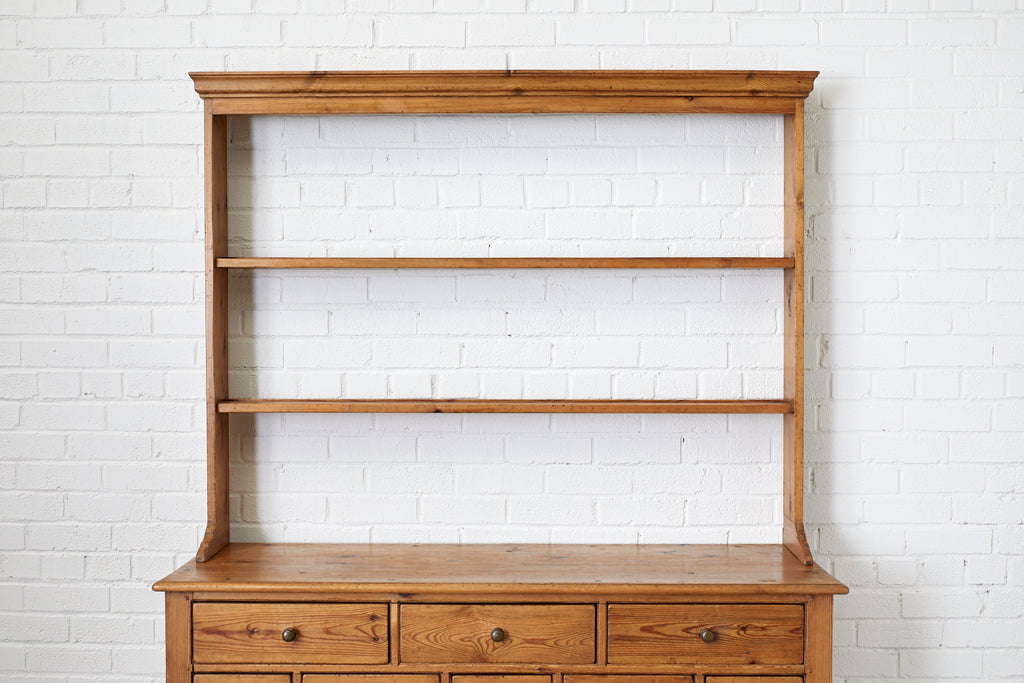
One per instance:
(500, 568)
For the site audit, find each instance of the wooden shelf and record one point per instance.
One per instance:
(773, 407)
(701, 262)
(502, 568)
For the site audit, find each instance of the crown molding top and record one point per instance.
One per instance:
(325, 92)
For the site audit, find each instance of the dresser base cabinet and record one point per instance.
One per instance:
(271, 613)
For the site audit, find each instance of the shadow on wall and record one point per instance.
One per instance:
(851, 535)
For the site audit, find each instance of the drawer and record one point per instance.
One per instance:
(323, 634)
(242, 678)
(629, 678)
(499, 678)
(370, 678)
(754, 679)
(537, 634)
(672, 634)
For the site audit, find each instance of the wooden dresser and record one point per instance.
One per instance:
(378, 613)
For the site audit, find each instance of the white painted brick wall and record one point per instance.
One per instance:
(915, 205)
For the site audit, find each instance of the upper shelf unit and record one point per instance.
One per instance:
(502, 92)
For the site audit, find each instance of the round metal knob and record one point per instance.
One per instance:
(498, 635)
(707, 635)
(289, 634)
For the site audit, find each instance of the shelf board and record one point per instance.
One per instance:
(667, 262)
(402, 405)
(519, 569)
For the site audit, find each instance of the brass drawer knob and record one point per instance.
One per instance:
(498, 635)
(707, 635)
(289, 634)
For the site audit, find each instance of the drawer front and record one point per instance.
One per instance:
(676, 634)
(754, 679)
(612, 678)
(509, 678)
(537, 634)
(371, 678)
(323, 634)
(242, 678)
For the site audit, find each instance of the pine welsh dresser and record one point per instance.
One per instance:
(378, 613)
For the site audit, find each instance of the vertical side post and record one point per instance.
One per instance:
(793, 534)
(215, 172)
(178, 620)
(819, 640)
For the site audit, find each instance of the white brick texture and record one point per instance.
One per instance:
(915, 288)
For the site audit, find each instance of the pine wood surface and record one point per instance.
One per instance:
(744, 634)
(819, 641)
(586, 103)
(481, 569)
(584, 678)
(327, 633)
(243, 678)
(516, 669)
(517, 83)
(540, 634)
(495, 262)
(215, 174)
(370, 678)
(793, 331)
(399, 405)
(178, 639)
(409, 92)
(794, 536)
(602, 632)
(513, 678)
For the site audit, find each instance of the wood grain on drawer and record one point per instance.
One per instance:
(671, 634)
(628, 678)
(541, 634)
(502, 678)
(324, 634)
(371, 678)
